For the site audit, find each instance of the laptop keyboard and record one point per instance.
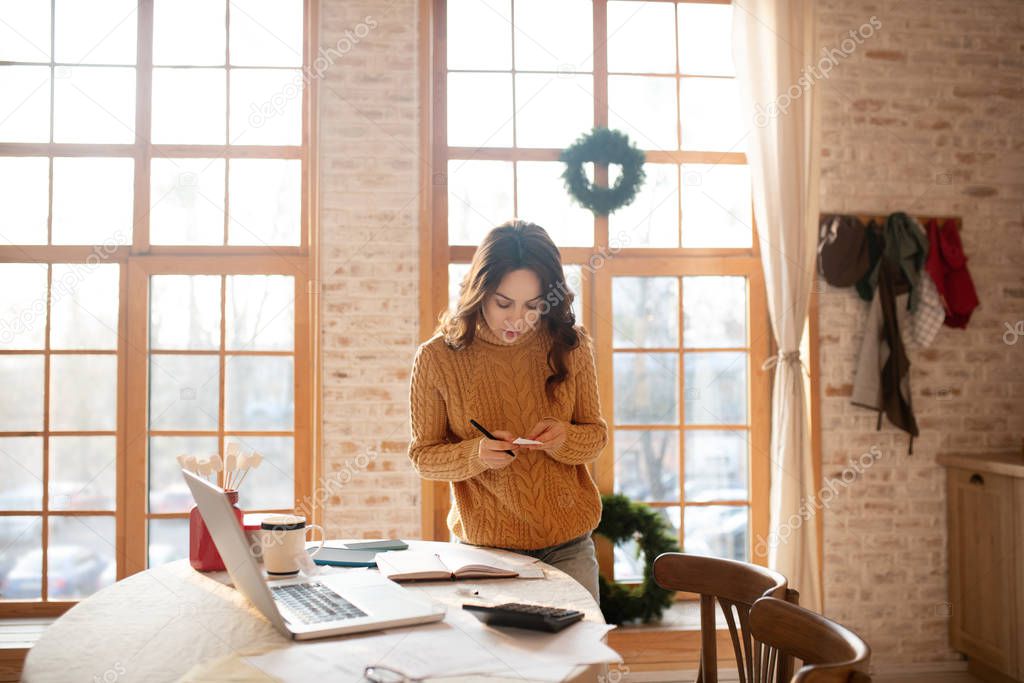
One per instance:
(315, 603)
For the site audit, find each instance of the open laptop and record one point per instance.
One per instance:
(306, 608)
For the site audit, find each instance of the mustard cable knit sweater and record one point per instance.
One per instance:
(540, 499)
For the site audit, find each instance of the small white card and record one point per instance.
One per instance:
(527, 442)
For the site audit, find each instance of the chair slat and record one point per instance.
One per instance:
(727, 608)
(744, 616)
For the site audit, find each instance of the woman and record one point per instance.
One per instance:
(511, 358)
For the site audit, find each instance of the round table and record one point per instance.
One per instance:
(172, 623)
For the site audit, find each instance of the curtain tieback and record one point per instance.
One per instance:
(787, 357)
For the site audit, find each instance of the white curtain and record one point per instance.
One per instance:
(774, 54)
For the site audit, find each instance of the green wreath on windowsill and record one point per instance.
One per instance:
(621, 520)
(603, 146)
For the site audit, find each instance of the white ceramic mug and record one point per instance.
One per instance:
(283, 541)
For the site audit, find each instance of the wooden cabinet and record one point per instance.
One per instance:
(986, 563)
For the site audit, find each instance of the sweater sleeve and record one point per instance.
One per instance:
(587, 433)
(432, 454)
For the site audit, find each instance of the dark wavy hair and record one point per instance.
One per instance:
(517, 245)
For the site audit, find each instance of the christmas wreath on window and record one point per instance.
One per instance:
(603, 146)
(623, 520)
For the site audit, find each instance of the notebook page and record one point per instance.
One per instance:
(460, 559)
(411, 563)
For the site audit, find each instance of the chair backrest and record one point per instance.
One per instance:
(831, 653)
(735, 586)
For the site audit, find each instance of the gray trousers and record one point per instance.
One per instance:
(575, 557)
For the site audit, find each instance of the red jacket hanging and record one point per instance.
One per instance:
(947, 265)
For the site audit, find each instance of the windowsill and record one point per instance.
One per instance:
(683, 615)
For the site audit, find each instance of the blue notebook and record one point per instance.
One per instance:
(361, 554)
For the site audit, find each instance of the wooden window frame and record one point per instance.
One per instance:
(140, 260)
(436, 254)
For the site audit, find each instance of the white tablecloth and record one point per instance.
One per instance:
(171, 623)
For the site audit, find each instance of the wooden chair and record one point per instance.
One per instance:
(831, 653)
(736, 586)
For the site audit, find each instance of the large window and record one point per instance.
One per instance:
(155, 245)
(670, 286)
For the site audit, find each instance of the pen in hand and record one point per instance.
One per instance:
(488, 434)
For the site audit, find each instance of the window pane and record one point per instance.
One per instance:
(716, 387)
(641, 37)
(646, 388)
(25, 196)
(84, 306)
(168, 492)
(167, 489)
(652, 219)
(479, 110)
(544, 201)
(96, 32)
(260, 312)
(645, 312)
(553, 110)
(629, 558)
(83, 392)
(187, 201)
(21, 411)
(259, 393)
(268, 32)
(716, 206)
(168, 541)
(266, 204)
(181, 117)
(25, 107)
(644, 107)
(92, 200)
(647, 464)
(83, 472)
(183, 392)
(717, 531)
(714, 311)
(554, 36)
(22, 306)
(705, 39)
(21, 562)
(80, 556)
(184, 312)
(266, 107)
(479, 34)
(21, 470)
(189, 32)
(716, 465)
(709, 115)
(25, 31)
(94, 104)
(456, 273)
(574, 281)
(272, 484)
(479, 198)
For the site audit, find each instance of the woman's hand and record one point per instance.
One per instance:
(550, 432)
(492, 452)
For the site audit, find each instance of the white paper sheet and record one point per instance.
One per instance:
(459, 645)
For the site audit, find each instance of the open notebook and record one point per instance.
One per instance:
(448, 563)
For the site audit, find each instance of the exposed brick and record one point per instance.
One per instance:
(886, 55)
(949, 141)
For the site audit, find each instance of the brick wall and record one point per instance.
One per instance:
(369, 175)
(920, 118)
(924, 117)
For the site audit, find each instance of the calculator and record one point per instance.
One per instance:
(518, 615)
